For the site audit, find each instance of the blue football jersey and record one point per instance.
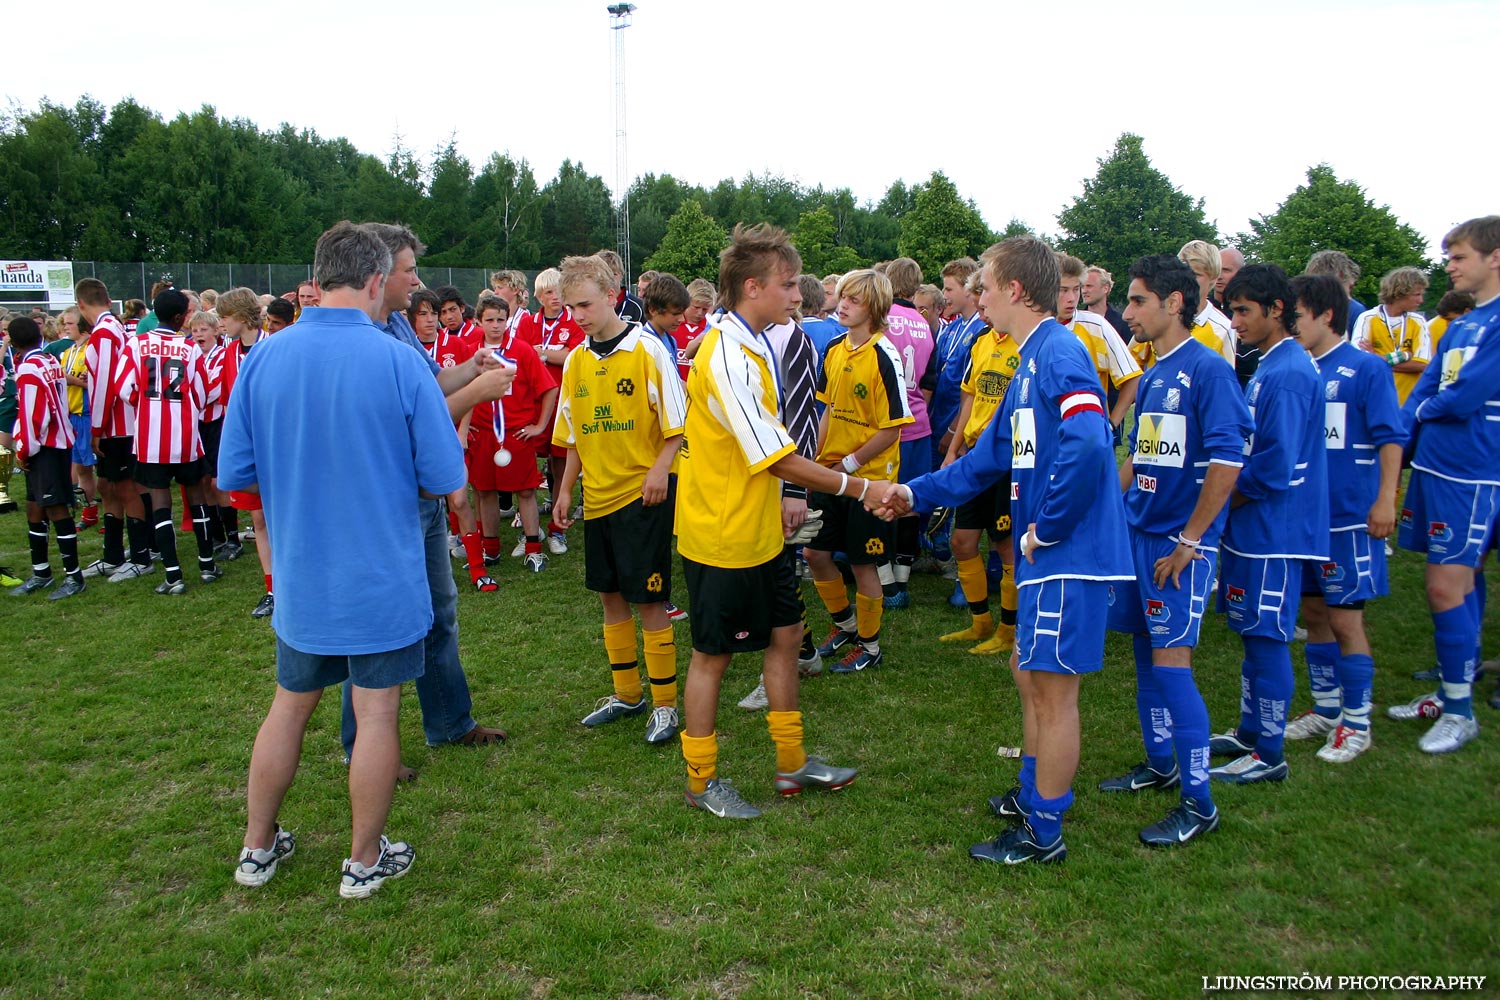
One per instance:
(1360, 414)
(1456, 404)
(1190, 413)
(955, 344)
(1285, 478)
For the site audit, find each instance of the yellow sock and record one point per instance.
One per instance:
(1009, 598)
(702, 756)
(867, 614)
(661, 665)
(786, 733)
(835, 597)
(619, 646)
(972, 578)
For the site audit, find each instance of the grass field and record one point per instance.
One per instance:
(565, 864)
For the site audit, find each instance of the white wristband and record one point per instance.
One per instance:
(851, 464)
(843, 483)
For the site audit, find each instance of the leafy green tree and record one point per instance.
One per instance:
(1128, 210)
(815, 241)
(941, 226)
(506, 213)
(690, 248)
(1329, 214)
(577, 216)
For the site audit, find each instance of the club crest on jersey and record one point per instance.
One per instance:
(1185, 379)
(1331, 391)
(1439, 531)
(653, 583)
(861, 390)
(1157, 610)
(874, 547)
(1233, 594)
(1173, 400)
(625, 387)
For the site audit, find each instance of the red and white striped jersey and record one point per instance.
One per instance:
(168, 385)
(233, 356)
(215, 399)
(42, 405)
(110, 415)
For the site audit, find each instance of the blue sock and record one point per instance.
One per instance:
(1322, 677)
(1028, 782)
(1356, 673)
(1156, 721)
(1453, 634)
(1189, 732)
(1046, 818)
(1272, 660)
(1248, 728)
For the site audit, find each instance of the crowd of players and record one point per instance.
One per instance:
(1272, 421)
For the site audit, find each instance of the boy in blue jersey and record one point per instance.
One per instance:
(1186, 452)
(1363, 434)
(1454, 493)
(1053, 435)
(1278, 517)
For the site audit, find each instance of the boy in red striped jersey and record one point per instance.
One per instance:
(43, 443)
(112, 422)
(167, 382)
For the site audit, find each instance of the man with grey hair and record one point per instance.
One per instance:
(1097, 283)
(1341, 266)
(336, 369)
(1246, 358)
(443, 689)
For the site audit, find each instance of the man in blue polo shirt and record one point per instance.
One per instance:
(334, 403)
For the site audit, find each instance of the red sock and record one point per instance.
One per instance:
(452, 523)
(474, 551)
(535, 546)
(268, 584)
(491, 545)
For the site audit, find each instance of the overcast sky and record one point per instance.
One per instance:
(1015, 102)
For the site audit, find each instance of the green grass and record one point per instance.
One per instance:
(565, 865)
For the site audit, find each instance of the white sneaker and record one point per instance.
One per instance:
(812, 666)
(1310, 724)
(535, 562)
(247, 533)
(1450, 733)
(520, 549)
(515, 522)
(256, 867)
(456, 548)
(1423, 706)
(1345, 744)
(557, 544)
(358, 882)
(1299, 634)
(130, 571)
(756, 700)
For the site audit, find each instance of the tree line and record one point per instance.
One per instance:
(123, 184)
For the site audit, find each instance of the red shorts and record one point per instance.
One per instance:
(245, 501)
(519, 474)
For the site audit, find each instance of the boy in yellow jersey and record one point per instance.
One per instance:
(1210, 326)
(75, 371)
(1116, 367)
(1394, 331)
(620, 413)
(732, 521)
(992, 363)
(864, 390)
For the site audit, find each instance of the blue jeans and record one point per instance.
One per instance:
(443, 690)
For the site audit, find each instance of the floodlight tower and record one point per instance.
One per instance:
(619, 20)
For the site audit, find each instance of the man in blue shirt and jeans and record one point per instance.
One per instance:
(334, 401)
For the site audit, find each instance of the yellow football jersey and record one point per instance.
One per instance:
(728, 503)
(1210, 328)
(865, 391)
(1380, 333)
(992, 364)
(618, 411)
(1112, 361)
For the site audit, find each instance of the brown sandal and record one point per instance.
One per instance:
(482, 736)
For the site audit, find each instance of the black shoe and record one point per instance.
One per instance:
(70, 586)
(1181, 825)
(1018, 846)
(172, 588)
(211, 574)
(229, 551)
(32, 585)
(1008, 806)
(265, 607)
(1140, 777)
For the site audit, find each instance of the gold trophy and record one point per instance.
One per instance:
(7, 467)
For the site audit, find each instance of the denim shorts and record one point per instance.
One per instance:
(302, 672)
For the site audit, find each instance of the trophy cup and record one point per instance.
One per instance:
(7, 467)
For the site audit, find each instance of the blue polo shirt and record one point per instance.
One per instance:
(328, 409)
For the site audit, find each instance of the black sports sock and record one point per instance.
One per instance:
(202, 533)
(139, 532)
(229, 518)
(114, 540)
(36, 534)
(67, 544)
(166, 543)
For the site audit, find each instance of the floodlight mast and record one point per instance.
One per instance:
(619, 20)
